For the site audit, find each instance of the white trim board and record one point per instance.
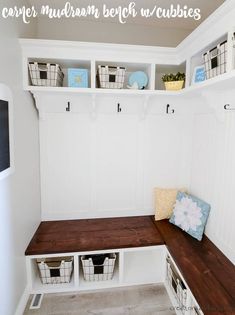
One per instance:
(23, 301)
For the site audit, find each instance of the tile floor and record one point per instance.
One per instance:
(136, 300)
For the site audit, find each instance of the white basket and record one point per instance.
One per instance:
(176, 285)
(102, 271)
(45, 74)
(215, 60)
(111, 77)
(55, 270)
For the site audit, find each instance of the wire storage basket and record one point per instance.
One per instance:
(55, 270)
(176, 285)
(110, 77)
(45, 74)
(215, 60)
(98, 267)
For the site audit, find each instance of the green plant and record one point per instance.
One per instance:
(173, 77)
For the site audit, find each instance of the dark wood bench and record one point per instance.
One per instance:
(67, 236)
(208, 273)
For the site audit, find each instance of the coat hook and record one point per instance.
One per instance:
(119, 109)
(227, 107)
(167, 109)
(68, 107)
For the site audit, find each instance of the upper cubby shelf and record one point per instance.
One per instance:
(207, 39)
(130, 68)
(220, 83)
(65, 64)
(35, 79)
(164, 69)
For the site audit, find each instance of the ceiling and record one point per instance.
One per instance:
(206, 7)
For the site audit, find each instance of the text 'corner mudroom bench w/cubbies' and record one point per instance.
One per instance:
(197, 276)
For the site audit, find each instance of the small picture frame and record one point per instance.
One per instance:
(6, 132)
(199, 74)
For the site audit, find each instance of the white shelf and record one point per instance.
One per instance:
(163, 69)
(39, 287)
(130, 68)
(98, 91)
(95, 285)
(65, 64)
(141, 267)
(221, 82)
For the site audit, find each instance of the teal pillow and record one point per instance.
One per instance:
(190, 214)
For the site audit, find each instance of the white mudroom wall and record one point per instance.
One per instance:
(108, 165)
(213, 169)
(20, 192)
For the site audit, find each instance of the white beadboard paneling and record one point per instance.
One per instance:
(108, 166)
(213, 169)
(167, 153)
(65, 165)
(116, 162)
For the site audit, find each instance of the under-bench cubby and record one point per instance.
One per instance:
(178, 290)
(55, 270)
(35, 278)
(134, 242)
(128, 270)
(107, 276)
(146, 265)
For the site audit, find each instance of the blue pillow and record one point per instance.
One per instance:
(190, 214)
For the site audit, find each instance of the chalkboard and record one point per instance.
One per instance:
(4, 136)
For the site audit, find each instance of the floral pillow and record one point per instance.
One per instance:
(190, 214)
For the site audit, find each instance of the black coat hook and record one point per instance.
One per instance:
(119, 109)
(227, 107)
(169, 111)
(68, 107)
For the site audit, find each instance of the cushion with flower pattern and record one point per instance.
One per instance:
(190, 214)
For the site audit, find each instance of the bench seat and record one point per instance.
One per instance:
(69, 236)
(208, 273)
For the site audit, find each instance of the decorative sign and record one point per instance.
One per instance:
(78, 78)
(199, 74)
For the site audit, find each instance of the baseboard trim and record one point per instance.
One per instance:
(23, 302)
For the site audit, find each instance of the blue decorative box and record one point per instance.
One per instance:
(78, 78)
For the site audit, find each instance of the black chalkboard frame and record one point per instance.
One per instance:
(6, 132)
(4, 136)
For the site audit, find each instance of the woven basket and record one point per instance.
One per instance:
(174, 85)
